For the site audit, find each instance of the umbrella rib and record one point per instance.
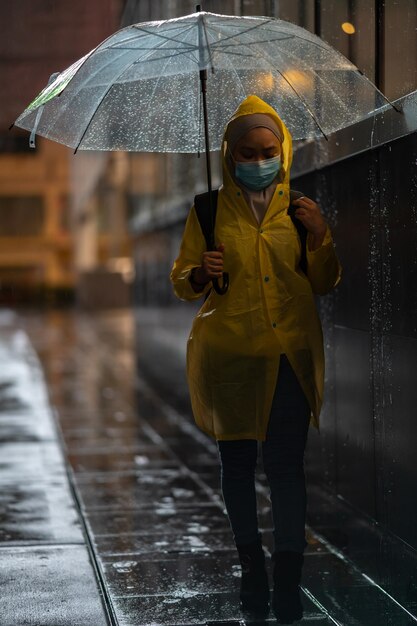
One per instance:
(322, 46)
(304, 102)
(217, 45)
(240, 82)
(168, 56)
(141, 48)
(101, 101)
(89, 54)
(272, 30)
(337, 97)
(64, 107)
(299, 96)
(380, 92)
(97, 108)
(238, 79)
(82, 61)
(157, 83)
(165, 37)
(318, 45)
(135, 37)
(122, 47)
(245, 55)
(207, 43)
(242, 32)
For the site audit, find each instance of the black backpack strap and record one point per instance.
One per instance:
(301, 229)
(202, 208)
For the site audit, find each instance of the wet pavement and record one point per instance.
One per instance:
(146, 481)
(46, 574)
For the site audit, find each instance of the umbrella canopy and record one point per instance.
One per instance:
(139, 90)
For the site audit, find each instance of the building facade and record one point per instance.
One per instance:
(58, 211)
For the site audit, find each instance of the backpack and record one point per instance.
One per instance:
(202, 208)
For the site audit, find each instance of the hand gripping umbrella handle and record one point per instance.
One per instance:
(221, 289)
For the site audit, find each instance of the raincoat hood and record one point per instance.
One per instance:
(249, 106)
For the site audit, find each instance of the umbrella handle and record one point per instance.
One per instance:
(221, 289)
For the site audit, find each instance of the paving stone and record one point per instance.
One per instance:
(38, 511)
(156, 544)
(30, 461)
(49, 586)
(197, 520)
(217, 609)
(22, 426)
(100, 436)
(175, 574)
(119, 459)
(163, 488)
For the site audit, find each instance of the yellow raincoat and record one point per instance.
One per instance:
(234, 347)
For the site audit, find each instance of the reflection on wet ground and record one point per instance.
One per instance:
(148, 480)
(46, 576)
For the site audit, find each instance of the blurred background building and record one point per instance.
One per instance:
(62, 217)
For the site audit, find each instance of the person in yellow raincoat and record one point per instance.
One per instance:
(255, 358)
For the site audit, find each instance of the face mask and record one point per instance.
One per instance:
(257, 175)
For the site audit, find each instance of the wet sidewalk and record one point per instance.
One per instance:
(47, 577)
(147, 481)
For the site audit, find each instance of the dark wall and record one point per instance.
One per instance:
(366, 452)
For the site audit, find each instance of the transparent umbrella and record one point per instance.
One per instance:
(172, 85)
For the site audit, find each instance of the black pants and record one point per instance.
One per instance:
(283, 462)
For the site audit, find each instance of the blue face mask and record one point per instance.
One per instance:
(257, 175)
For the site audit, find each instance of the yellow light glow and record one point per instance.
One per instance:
(266, 81)
(348, 28)
(298, 79)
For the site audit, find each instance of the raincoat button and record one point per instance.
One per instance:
(261, 230)
(280, 192)
(238, 193)
(274, 325)
(266, 279)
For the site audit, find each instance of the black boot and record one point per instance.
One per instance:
(286, 601)
(254, 587)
